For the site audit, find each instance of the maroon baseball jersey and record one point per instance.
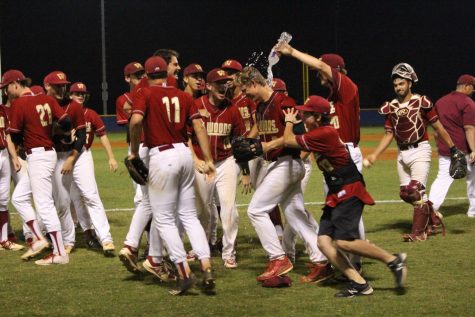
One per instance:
(246, 107)
(167, 112)
(345, 107)
(94, 125)
(455, 110)
(33, 116)
(221, 125)
(3, 127)
(271, 123)
(121, 116)
(331, 155)
(408, 121)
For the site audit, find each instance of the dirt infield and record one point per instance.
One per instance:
(389, 154)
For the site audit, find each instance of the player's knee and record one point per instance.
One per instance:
(412, 193)
(343, 245)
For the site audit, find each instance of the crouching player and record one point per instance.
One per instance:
(345, 200)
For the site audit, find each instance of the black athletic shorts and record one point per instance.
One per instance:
(342, 221)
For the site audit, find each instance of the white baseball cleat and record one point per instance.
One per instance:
(52, 258)
(36, 248)
(230, 263)
(8, 245)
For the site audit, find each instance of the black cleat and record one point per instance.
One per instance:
(355, 289)
(399, 269)
(182, 285)
(208, 280)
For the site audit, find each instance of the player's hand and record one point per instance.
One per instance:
(113, 166)
(131, 156)
(283, 48)
(16, 164)
(472, 157)
(369, 160)
(210, 172)
(290, 115)
(68, 166)
(200, 165)
(246, 184)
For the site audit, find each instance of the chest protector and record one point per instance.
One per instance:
(407, 120)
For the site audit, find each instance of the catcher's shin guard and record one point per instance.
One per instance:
(435, 221)
(420, 221)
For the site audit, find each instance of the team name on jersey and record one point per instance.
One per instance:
(267, 127)
(88, 127)
(218, 128)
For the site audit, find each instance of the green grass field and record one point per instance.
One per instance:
(441, 280)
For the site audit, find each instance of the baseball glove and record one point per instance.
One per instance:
(137, 170)
(246, 149)
(278, 281)
(458, 164)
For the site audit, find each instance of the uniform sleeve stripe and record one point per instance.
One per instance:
(62, 117)
(82, 126)
(14, 130)
(138, 112)
(122, 121)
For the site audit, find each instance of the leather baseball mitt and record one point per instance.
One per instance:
(278, 281)
(246, 149)
(458, 164)
(137, 170)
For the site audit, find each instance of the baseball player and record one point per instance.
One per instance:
(406, 121)
(194, 80)
(165, 113)
(84, 193)
(68, 154)
(133, 73)
(281, 182)
(31, 124)
(456, 112)
(37, 90)
(345, 199)
(6, 147)
(344, 101)
(223, 121)
(22, 200)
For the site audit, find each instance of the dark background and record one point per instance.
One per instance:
(435, 37)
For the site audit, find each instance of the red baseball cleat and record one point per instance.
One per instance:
(276, 267)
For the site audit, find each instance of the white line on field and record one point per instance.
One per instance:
(390, 201)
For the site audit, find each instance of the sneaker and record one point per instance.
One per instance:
(191, 256)
(399, 269)
(208, 280)
(130, 260)
(276, 267)
(318, 273)
(230, 263)
(35, 248)
(182, 285)
(355, 289)
(470, 215)
(12, 246)
(68, 248)
(160, 270)
(108, 248)
(93, 244)
(53, 259)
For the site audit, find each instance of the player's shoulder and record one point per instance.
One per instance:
(423, 101)
(90, 112)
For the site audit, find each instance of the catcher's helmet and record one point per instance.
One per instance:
(404, 70)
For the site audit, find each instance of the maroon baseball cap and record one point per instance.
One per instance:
(217, 74)
(466, 79)
(78, 87)
(193, 69)
(155, 64)
(232, 64)
(333, 60)
(315, 104)
(11, 76)
(37, 90)
(56, 78)
(132, 68)
(278, 85)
